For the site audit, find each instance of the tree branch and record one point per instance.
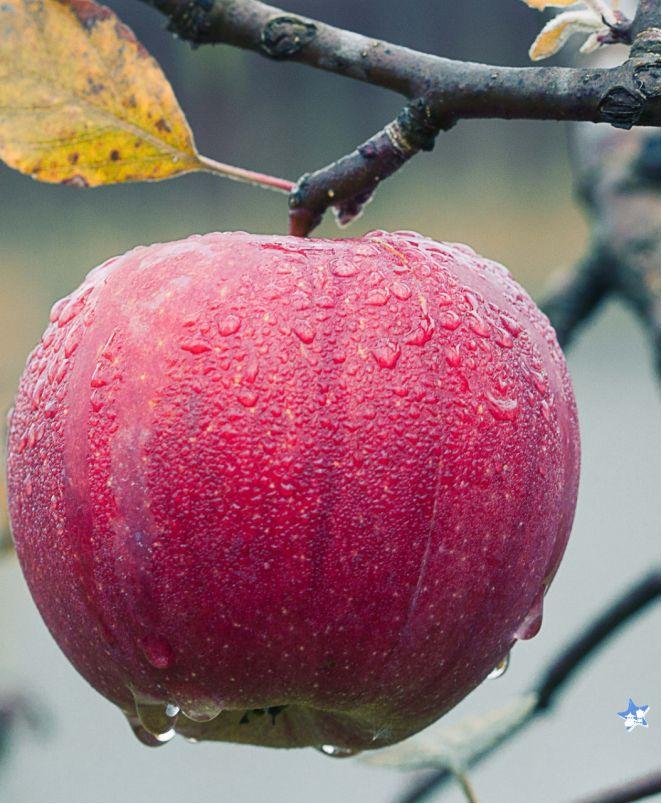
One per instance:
(579, 296)
(557, 675)
(633, 790)
(354, 178)
(617, 177)
(647, 16)
(448, 90)
(13, 709)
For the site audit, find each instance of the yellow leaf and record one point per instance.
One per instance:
(81, 100)
(558, 30)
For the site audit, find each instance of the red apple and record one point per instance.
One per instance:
(296, 492)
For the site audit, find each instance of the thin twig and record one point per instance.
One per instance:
(447, 90)
(372, 162)
(633, 790)
(467, 788)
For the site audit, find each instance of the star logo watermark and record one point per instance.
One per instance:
(634, 716)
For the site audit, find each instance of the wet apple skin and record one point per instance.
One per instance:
(256, 471)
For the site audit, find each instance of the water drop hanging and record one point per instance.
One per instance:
(156, 718)
(336, 751)
(146, 737)
(532, 623)
(501, 668)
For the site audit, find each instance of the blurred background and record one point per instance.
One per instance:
(503, 187)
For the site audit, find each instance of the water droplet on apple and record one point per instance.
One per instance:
(32, 436)
(96, 400)
(503, 410)
(38, 393)
(203, 713)
(386, 354)
(195, 348)
(449, 320)
(409, 235)
(422, 333)
(71, 309)
(110, 346)
(336, 751)
(247, 397)
(304, 332)
(151, 740)
(252, 368)
(401, 290)
(377, 297)
(71, 341)
(48, 337)
(342, 268)
(479, 326)
(512, 326)
(156, 718)
(229, 325)
(56, 309)
(157, 652)
(286, 489)
(98, 380)
(501, 668)
(532, 622)
(452, 355)
(539, 381)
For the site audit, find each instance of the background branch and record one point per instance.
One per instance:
(15, 708)
(633, 790)
(647, 16)
(644, 592)
(617, 178)
(578, 296)
(567, 663)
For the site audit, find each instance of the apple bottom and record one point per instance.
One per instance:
(336, 734)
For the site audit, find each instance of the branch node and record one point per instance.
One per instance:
(646, 43)
(190, 21)
(413, 129)
(647, 78)
(621, 108)
(283, 37)
(645, 58)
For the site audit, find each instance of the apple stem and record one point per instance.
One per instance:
(248, 176)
